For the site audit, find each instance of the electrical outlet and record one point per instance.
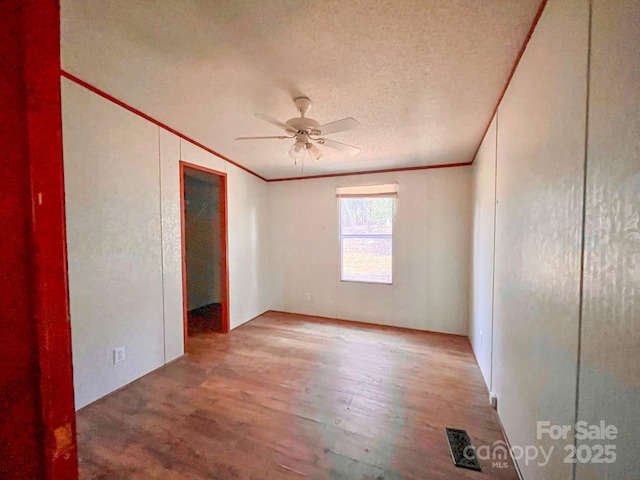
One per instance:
(307, 296)
(481, 339)
(493, 400)
(118, 355)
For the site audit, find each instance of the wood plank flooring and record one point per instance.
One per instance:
(292, 397)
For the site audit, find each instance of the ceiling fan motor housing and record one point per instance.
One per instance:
(302, 138)
(303, 124)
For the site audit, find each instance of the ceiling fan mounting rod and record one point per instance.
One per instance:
(303, 104)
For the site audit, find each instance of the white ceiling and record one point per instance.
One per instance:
(422, 77)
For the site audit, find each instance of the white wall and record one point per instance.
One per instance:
(169, 146)
(112, 186)
(250, 266)
(430, 251)
(539, 139)
(540, 160)
(610, 342)
(124, 246)
(482, 252)
(539, 328)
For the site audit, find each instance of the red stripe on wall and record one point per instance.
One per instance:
(511, 73)
(388, 170)
(135, 111)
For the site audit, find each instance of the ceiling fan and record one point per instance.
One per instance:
(308, 133)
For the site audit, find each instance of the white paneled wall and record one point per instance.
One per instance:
(124, 241)
(250, 273)
(171, 245)
(544, 340)
(112, 185)
(540, 167)
(482, 252)
(430, 251)
(610, 343)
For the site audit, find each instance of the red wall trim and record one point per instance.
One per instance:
(38, 428)
(387, 170)
(225, 242)
(120, 103)
(134, 110)
(543, 4)
(183, 260)
(48, 236)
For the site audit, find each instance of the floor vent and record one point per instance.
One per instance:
(462, 452)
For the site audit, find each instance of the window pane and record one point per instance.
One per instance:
(366, 259)
(366, 242)
(362, 215)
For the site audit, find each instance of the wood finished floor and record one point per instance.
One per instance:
(292, 397)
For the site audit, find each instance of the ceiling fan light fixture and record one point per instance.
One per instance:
(297, 151)
(314, 151)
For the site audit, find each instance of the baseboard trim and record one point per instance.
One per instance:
(250, 320)
(367, 324)
(506, 439)
(504, 433)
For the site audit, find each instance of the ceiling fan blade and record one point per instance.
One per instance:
(276, 122)
(348, 123)
(314, 151)
(263, 138)
(343, 147)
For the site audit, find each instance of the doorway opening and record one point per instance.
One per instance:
(203, 195)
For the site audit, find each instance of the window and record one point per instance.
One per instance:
(366, 233)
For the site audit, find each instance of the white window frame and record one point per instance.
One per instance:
(367, 191)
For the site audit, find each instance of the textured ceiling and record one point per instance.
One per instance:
(422, 77)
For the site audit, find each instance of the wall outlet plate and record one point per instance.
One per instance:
(118, 355)
(307, 296)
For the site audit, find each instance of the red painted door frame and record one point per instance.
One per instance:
(37, 413)
(225, 257)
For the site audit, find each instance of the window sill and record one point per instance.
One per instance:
(365, 282)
